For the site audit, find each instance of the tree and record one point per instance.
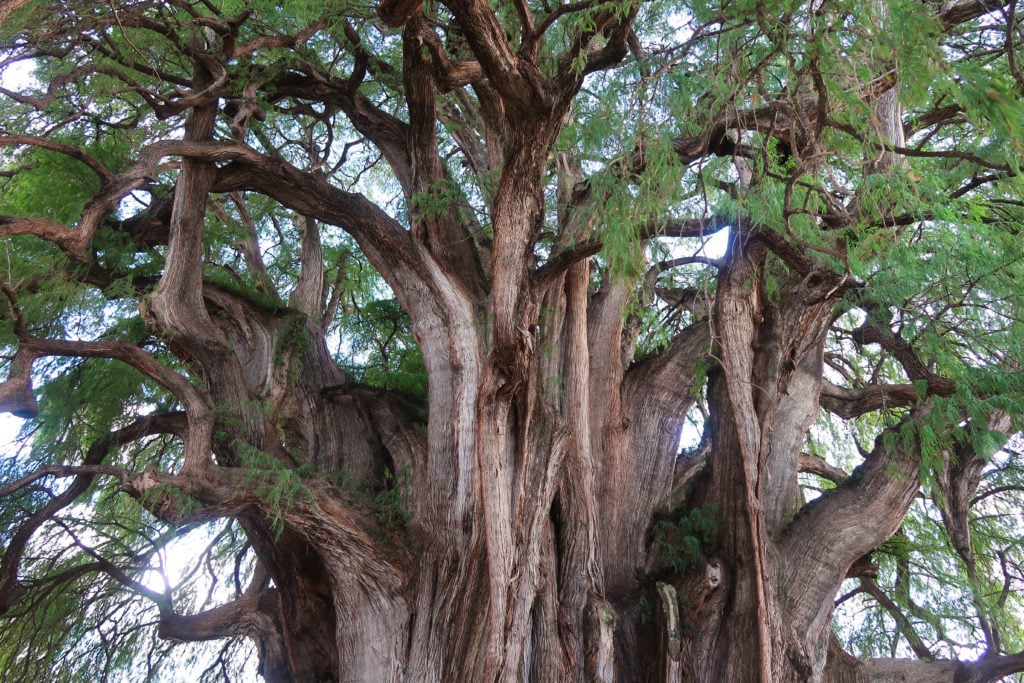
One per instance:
(398, 342)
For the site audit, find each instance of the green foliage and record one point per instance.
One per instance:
(382, 350)
(278, 487)
(910, 566)
(643, 609)
(704, 118)
(391, 504)
(436, 201)
(171, 497)
(681, 540)
(245, 287)
(37, 191)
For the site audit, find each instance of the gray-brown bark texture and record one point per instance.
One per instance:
(531, 515)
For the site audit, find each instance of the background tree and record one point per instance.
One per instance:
(472, 341)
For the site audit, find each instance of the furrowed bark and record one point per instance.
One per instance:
(528, 482)
(581, 578)
(657, 394)
(842, 526)
(439, 227)
(737, 462)
(843, 668)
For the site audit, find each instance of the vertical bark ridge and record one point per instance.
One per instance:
(545, 660)
(309, 290)
(495, 460)
(439, 227)
(536, 488)
(656, 395)
(452, 599)
(358, 577)
(177, 303)
(517, 216)
(581, 576)
(607, 422)
(729, 613)
(790, 372)
(504, 404)
(738, 314)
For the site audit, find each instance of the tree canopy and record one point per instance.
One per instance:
(610, 324)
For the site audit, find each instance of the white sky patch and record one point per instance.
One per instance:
(716, 245)
(18, 75)
(9, 428)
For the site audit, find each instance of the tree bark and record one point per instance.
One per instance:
(534, 518)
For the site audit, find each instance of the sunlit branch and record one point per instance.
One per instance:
(901, 350)
(65, 471)
(995, 491)
(815, 464)
(851, 402)
(687, 227)
(278, 41)
(124, 352)
(112, 570)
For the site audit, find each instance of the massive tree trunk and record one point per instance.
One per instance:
(535, 517)
(548, 455)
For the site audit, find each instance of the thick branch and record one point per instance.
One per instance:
(561, 262)
(952, 14)
(397, 12)
(844, 524)
(75, 242)
(848, 402)
(667, 377)
(448, 75)
(845, 669)
(441, 230)
(614, 27)
(233, 50)
(902, 351)
(990, 668)
(308, 291)
(385, 242)
(956, 481)
(518, 81)
(246, 615)
(819, 466)
(687, 227)
(69, 240)
(99, 169)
